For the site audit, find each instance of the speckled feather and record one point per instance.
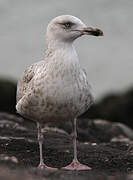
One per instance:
(55, 89)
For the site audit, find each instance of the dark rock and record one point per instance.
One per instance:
(98, 131)
(6, 174)
(7, 95)
(128, 132)
(113, 107)
(19, 151)
(12, 161)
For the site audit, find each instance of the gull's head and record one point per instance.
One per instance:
(67, 28)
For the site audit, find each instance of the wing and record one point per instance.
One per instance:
(92, 100)
(23, 83)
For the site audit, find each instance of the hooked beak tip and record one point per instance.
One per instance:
(92, 31)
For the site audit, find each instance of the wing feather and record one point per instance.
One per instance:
(24, 81)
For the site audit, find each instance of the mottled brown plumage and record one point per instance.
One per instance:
(56, 89)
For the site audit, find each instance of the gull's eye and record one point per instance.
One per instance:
(68, 25)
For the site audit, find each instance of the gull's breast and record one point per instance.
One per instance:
(53, 98)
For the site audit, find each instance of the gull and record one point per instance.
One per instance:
(56, 88)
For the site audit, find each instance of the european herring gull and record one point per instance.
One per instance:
(56, 89)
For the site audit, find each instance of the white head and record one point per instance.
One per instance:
(67, 28)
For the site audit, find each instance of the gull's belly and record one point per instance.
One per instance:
(62, 102)
(56, 101)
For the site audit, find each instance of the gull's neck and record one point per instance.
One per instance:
(60, 48)
(62, 55)
(55, 44)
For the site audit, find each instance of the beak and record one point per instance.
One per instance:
(91, 31)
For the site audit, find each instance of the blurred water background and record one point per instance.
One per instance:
(107, 60)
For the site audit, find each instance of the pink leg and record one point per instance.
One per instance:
(40, 139)
(75, 165)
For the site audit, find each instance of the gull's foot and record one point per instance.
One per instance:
(76, 165)
(45, 167)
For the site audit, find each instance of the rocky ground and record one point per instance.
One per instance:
(106, 147)
(116, 107)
